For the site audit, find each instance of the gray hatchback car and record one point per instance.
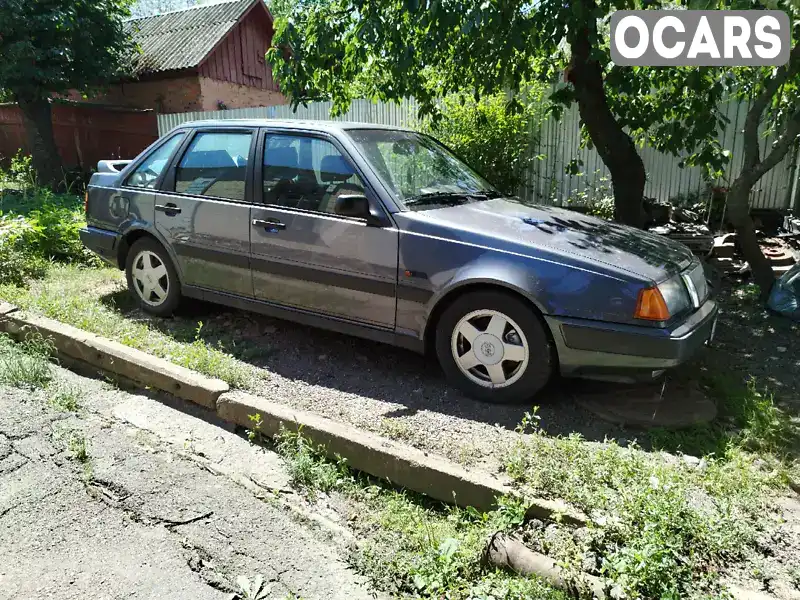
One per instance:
(384, 233)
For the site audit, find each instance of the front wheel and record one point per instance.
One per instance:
(494, 347)
(152, 278)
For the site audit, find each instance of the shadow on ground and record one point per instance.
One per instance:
(410, 382)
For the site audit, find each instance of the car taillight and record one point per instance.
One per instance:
(651, 306)
(86, 202)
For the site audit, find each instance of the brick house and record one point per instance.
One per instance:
(207, 57)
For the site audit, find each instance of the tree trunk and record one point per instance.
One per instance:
(739, 215)
(614, 146)
(505, 552)
(38, 119)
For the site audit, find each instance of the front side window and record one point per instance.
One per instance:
(309, 174)
(215, 165)
(146, 174)
(420, 172)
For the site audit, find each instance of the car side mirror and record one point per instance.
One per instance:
(357, 205)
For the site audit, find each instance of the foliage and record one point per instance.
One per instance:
(596, 196)
(489, 137)
(52, 46)
(37, 227)
(257, 589)
(409, 545)
(749, 419)
(26, 364)
(65, 399)
(662, 527)
(76, 444)
(306, 463)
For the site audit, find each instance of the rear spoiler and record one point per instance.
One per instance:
(112, 166)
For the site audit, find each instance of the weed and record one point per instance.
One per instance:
(412, 545)
(77, 447)
(306, 462)
(65, 400)
(256, 589)
(26, 364)
(749, 420)
(254, 435)
(396, 429)
(662, 527)
(749, 293)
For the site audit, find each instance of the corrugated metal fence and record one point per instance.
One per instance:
(558, 144)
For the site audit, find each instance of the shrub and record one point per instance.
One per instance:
(37, 226)
(493, 136)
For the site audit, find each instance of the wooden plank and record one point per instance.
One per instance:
(237, 53)
(231, 52)
(220, 66)
(250, 64)
(226, 61)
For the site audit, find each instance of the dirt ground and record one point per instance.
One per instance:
(154, 509)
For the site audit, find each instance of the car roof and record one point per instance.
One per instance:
(327, 126)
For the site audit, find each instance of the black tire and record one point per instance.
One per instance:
(541, 355)
(170, 303)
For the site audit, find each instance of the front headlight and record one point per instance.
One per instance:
(675, 295)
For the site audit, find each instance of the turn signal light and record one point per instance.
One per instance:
(86, 202)
(651, 306)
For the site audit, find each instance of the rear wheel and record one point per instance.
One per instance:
(494, 347)
(152, 278)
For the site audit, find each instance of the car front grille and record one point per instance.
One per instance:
(696, 284)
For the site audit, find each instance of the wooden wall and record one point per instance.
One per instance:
(240, 57)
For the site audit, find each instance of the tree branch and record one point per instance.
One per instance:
(753, 120)
(780, 149)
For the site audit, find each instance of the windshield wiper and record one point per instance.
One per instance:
(443, 195)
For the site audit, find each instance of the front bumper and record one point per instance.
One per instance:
(102, 242)
(627, 352)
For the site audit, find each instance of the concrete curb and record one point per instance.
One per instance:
(400, 464)
(113, 357)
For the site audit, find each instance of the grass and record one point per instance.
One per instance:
(76, 444)
(410, 545)
(65, 399)
(26, 364)
(74, 295)
(749, 419)
(663, 528)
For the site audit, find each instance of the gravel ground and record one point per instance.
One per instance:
(153, 511)
(753, 341)
(387, 390)
(402, 395)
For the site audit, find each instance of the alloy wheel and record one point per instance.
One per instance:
(150, 278)
(490, 348)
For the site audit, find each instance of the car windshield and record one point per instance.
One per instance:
(420, 172)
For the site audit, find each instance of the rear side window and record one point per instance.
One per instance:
(215, 165)
(146, 174)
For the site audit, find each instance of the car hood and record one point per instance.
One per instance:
(568, 232)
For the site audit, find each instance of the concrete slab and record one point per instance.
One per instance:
(652, 405)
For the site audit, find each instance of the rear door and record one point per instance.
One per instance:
(306, 251)
(203, 209)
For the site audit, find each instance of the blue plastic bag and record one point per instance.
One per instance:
(784, 298)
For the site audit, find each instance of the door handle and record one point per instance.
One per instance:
(170, 209)
(271, 223)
